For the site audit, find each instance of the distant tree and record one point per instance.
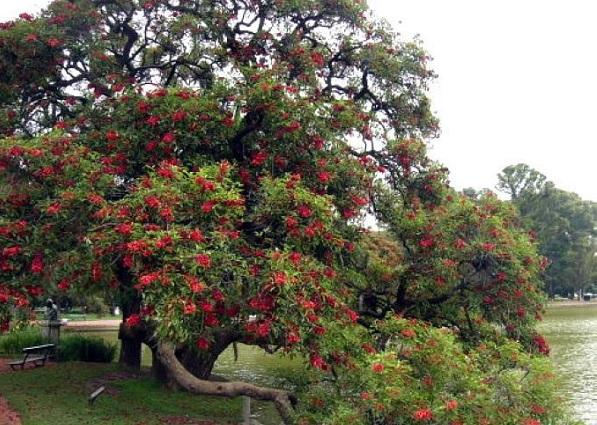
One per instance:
(563, 224)
(518, 180)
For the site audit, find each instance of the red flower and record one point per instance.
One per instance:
(167, 214)
(206, 306)
(366, 396)
(263, 329)
(292, 338)
(451, 405)
(295, 258)
(218, 295)
(317, 362)
(426, 242)
(228, 121)
(143, 107)
(147, 279)
(54, 42)
(137, 246)
(291, 222)
(368, 348)
(318, 142)
(202, 344)
(196, 236)
(64, 284)
(152, 202)
(208, 206)
(352, 315)
(54, 208)
(408, 333)
(112, 136)
(168, 138)
(377, 367)
(25, 16)
(179, 115)
(324, 176)
(531, 421)
(487, 246)
(211, 320)
(258, 158)
(190, 308)
(11, 251)
(460, 244)
(317, 59)
(96, 271)
(124, 229)
(31, 37)
(279, 278)
(133, 320)
(423, 415)
(195, 284)
(164, 242)
(37, 265)
(153, 120)
(203, 260)
(541, 344)
(304, 211)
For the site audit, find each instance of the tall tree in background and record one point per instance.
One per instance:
(564, 224)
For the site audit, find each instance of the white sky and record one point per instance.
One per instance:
(517, 83)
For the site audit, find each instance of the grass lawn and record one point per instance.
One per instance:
(57, 395)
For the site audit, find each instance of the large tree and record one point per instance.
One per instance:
(212, 161)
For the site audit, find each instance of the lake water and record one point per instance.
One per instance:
(571, 332)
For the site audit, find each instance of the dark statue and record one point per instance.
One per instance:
(51, 311)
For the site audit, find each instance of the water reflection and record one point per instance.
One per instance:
(572, 334)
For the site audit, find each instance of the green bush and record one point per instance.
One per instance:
(85, 349)
(14, 341)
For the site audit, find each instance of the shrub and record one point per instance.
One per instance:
(85, 349)
(14, 341)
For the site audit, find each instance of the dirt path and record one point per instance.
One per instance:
(7, 415)
(92, 325)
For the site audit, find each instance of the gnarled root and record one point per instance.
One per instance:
(283, 400)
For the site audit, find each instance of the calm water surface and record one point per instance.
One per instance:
(572, 333)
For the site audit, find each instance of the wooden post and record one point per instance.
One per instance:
(246, 410)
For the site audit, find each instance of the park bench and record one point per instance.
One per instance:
(37, 355)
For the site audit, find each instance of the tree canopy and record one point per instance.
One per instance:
(213, 162)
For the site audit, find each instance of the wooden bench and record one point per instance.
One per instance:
(37, 355)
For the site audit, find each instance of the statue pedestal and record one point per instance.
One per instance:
(50, 331)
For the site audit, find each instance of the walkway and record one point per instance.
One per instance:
(96, 325)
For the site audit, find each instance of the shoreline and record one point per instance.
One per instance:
(571, 303)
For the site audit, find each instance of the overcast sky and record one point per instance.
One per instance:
(517, 83)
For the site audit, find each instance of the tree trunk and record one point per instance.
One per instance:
(159, 370)
(201, 364)
(283, 400)
(130, 342)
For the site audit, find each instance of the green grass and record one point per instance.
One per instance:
(58, 395)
